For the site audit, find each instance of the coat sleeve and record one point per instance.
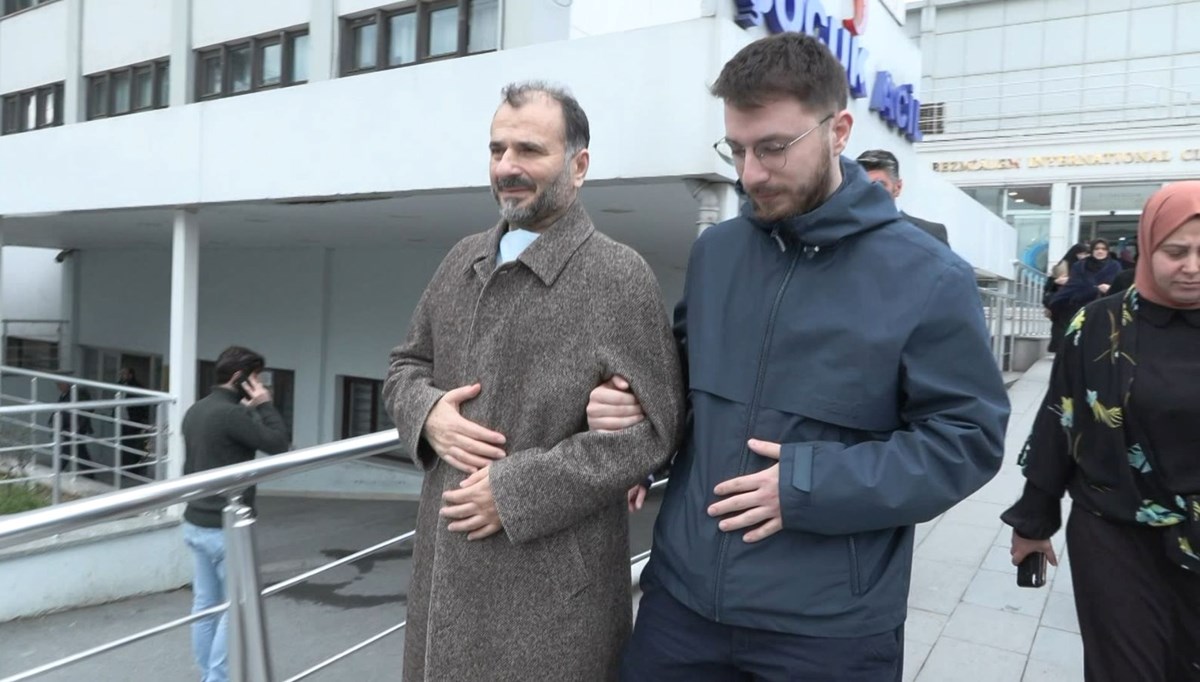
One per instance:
(955, 411)
(539, 492)
(408, 391)
(1046, 460)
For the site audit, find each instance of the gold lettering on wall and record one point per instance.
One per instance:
(1066, 160)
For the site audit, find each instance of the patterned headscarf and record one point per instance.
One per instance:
(1166, 211)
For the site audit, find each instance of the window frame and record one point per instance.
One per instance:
(285, 38)
(382, 17)
(15, 108)
(9, 7)
(347, 391)
(160, 70)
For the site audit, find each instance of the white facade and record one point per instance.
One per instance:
(1061, 115)
(322, 209)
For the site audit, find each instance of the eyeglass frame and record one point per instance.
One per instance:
(759, 153)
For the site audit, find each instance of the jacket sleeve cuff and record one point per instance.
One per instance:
(795, 480)
(1037, 515)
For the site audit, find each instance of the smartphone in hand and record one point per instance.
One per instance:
(1031, 572)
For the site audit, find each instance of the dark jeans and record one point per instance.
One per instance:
(1139, 614)
(672, 642)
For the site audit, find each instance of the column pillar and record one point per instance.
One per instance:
(1061, 228)
(185, 284)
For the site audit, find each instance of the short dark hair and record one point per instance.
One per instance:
(236, 359)
(880, 160)
(784, 65)
(577, 132)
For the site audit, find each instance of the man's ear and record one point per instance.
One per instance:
(579, 167)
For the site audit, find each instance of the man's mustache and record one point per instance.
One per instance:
(515, 182)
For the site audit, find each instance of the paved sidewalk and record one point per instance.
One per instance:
(967, 618)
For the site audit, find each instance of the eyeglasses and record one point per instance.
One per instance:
(772, 155)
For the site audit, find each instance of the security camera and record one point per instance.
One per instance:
(62, 255)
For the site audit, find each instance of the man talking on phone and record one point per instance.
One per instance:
(229, 425)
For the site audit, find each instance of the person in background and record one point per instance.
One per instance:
(1089, 279)
(883, 167)
(229, 425)
(1054, 283)
(1120, 429)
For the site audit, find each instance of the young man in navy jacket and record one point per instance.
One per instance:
(840, 391)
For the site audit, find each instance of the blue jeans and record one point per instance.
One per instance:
(209, 641)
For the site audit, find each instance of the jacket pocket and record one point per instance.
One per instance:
(870, 555)
(855, 579)
(565, 559)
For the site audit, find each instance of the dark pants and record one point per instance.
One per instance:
(672, 642)
(1139, 614)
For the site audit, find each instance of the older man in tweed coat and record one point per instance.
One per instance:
(521, 568)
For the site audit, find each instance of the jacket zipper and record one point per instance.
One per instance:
(752, 413)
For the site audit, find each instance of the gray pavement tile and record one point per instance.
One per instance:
(998, 590)
(954, 660)
(923, 627)
(956, 543)
(1063, 649)
(1004, 489)
(1060, 613)
(938, 586)
(998, 559)
(976, 513)
(992, 627)
(915, 654)
(1041, 671)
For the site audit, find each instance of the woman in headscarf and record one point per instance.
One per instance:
(1055, 282)
(1090, 278)
(1120, 430)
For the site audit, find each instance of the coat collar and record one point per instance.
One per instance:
(547, 256)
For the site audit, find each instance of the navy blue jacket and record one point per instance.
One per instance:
(1082, 281)
(858, 342)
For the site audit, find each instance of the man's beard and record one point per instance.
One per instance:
(802, 199)
(553, 198)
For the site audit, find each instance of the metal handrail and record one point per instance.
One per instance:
(71, 379)
(232, 478)
(33, 525)
(85, 405)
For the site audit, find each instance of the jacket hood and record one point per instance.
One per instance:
(857, 206)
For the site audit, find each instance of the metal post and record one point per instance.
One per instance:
(118, 450)
(56, 487)
(74, 393)
(160, 441)
(33, 421)
(249, 660)
(1000, 337)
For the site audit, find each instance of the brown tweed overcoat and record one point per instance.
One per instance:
(548, 598)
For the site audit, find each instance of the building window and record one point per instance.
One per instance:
(933, 118)
(272, 60)
(281, 383)
(32, 109)
(363, 411)
(14, 6)
(418, 31)
(34, 354)
(139, 87)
